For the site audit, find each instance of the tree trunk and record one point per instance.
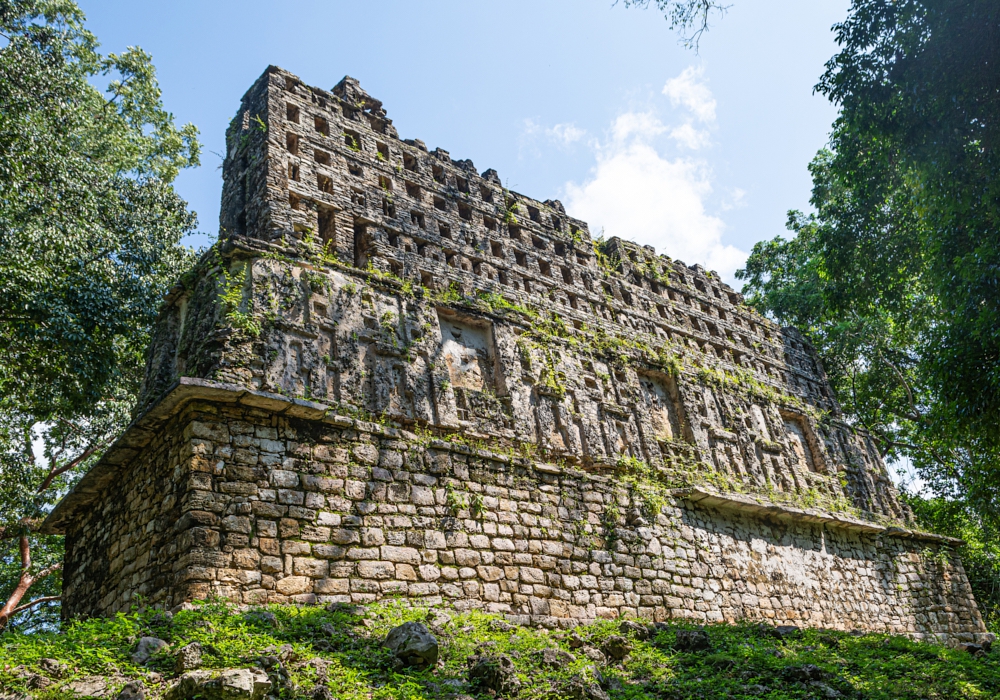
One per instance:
(26, 581)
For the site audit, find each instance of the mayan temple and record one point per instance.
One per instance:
(393, 377)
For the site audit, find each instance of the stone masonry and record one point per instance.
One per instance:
(395, 377)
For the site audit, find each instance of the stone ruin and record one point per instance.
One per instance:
(394, 377)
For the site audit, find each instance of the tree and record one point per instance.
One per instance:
(980, 554)
(896, 277)
(684, 15)
(89, 242)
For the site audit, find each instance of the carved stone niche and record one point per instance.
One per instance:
(802, 444)
(468, 352)
(659, 392)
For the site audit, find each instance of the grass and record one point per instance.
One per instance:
(343, 645)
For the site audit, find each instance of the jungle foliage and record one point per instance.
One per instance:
(896, 275)
(89, 242)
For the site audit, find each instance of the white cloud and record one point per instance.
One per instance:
(642, 125)
(686, 135)
(531, 127)
(638, 192)
(566, 133)
(737, 199)
(688, 90)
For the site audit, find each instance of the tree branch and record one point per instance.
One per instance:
(36, 601)
(683, 14)
(25, 548)
(914, 415)
(8, 532)
(54, 472)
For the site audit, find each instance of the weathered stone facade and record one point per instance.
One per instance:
(393, 377)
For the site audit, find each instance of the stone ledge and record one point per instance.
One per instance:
(147, 426)
(748, 504)
(144, 428)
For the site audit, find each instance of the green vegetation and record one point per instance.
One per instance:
(744, 661)
(980, 554)
(742, 381)
(609, 264)
(351, 142)
(894, 278)
(90, 227)
(231, 296)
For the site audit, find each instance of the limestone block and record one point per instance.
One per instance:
(365, 453)
(293, 547)
(405, 572)
(429, 572)
(308, 566)
(372, 536)
(246, 558)
(315, 534)
(405, 555)
(291, 585)
(275, 446)
(359, 553)
(332, 586)
(323, 551)
(422, 496)
(281, 479)
(271, 565)
(423, 589)
(344, 536)
(434, 539)
(467, 557)
(291, 497)
(490, 573)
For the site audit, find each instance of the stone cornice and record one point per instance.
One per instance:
(782, 512)
(144, 428)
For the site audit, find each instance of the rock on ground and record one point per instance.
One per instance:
(634, 629)
(554, 658)
(89, 687)
(230, 684)
(413, 645)
(188, 658)
(616, 648)
(578, 688)
(146, 648)
(496, 673)
(692, 640)
(595, 655)
(133, 690)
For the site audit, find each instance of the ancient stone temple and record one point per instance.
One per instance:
(394, 377)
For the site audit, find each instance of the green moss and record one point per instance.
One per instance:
(741, 381)
(609, 264)
(232, 295)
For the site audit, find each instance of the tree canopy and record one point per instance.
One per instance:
(896, 276)
(89, 242)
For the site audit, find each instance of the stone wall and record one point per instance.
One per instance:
(263, 507)
(394, 376)
(124, 545)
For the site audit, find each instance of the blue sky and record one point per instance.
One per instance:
(700, 155)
